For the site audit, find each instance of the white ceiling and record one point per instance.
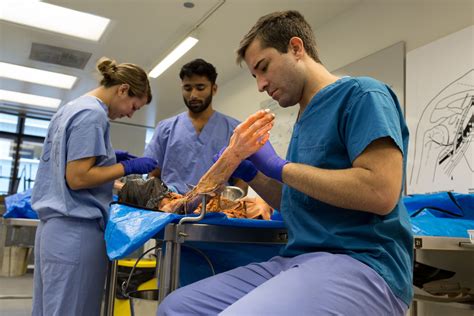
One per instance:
(143, 32)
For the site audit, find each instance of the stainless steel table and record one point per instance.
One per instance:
(190, 230)
(18, 232)
(432, 243)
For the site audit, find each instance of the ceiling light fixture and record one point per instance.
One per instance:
(184, 46)
(33, 75)
(29, 99)
(54, 18)
(172, 57)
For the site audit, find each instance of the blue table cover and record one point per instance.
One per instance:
(129, 228)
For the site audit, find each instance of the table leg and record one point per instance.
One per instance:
(110, 288)
(166, 272)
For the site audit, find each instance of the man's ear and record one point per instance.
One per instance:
(214, 89)
(296, 46)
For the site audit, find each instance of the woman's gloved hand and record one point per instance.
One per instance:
(245, 171)
(122, 155)
(268, 162)
(139, 165)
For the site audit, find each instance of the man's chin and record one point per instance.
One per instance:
(197, 109)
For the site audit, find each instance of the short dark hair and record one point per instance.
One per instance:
(276, 29)
(199, 67)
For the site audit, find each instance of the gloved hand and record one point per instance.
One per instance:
(268, 162)
(122, 155)
(245, 171)
(139, 165)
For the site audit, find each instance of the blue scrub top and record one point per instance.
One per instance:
(184, 155)
(338, 124)
(80, 129)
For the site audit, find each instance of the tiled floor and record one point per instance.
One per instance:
(15, 295)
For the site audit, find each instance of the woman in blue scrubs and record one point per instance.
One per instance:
(73, 189)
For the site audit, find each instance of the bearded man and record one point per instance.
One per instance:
(185, 144)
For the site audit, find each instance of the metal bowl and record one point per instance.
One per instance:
(233, 193)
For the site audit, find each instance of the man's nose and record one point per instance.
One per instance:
(193, 94)
(262, 84)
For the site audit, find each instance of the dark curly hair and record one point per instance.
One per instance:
(199, 67)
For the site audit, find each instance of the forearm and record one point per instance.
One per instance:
(213, 180)
(95, 176)
(268, 189)
(353, 188)
(219, 173)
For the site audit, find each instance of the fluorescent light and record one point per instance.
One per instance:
(30, 99)
(172, 57)
(54, 18)
(28, 74)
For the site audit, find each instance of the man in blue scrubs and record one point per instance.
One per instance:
(349, 249)
(185, 144)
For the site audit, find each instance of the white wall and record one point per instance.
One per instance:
(377, 24)
(357, 33)
(128, 137)
(239, 98)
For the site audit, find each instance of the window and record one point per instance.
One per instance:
(148, 135)
(36, 127)
(7, 148)
(30, 153)
(8, 123)
(21, 142)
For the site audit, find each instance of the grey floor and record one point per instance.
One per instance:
(15, 295)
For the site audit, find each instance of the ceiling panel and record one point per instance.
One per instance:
(144, 31)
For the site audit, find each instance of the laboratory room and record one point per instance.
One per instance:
(208, 157)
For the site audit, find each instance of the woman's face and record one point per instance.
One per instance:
(124, 105)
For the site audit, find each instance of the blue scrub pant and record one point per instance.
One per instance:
(70, 267)
(310, 284)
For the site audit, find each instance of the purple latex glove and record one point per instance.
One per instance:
(268, 162)
(245, 171)
(122, 155)
(139, 165)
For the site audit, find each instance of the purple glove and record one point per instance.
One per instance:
(245, 171)
(123, 155)
(139, 165)
(268, 162)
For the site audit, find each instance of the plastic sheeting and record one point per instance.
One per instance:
(426, 224)
(441, 214)
(129, 228)
(444, 214)
(443, 204)
(19, 206)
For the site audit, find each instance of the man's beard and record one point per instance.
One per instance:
(198, 107)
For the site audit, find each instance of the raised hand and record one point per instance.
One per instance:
(250, 135)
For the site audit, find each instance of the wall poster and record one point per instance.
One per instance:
(440, 115)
